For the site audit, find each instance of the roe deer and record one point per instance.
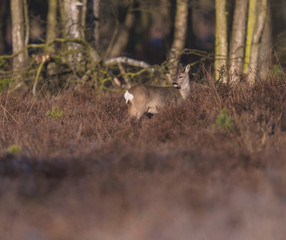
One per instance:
(149, 99)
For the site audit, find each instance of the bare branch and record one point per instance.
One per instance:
(123, 73)
(92, 52)
(129, 61)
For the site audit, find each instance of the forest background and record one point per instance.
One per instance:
(72, 166)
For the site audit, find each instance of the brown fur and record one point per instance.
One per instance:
(150, 99)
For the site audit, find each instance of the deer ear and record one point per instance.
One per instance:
(187, 69)
(181, 68)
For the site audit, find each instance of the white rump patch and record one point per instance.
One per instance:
(128, 96)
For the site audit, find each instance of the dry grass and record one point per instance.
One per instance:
(91, 174)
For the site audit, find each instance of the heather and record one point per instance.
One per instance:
(74, 166)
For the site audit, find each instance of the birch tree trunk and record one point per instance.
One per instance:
(72, 12)
(180, 30)
(18, 37)
(52, 24)
(265, 52)
(237, 44)
(260, 17)
(83, 18)
(221, 44)
(96, 8)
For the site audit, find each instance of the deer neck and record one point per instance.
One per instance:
(185, 90)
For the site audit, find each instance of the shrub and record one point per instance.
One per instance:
(55, 114)
(224, 121)
(14, 149)
(5, 82)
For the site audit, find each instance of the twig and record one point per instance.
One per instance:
(37, 78)
(86, 76)
(5, 110)
(123, 73)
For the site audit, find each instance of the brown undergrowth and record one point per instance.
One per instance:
(213, 168)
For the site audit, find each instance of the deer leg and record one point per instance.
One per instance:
(135, 111)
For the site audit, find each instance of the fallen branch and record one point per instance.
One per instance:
(129, 61)
(94, 57)
(92, 53)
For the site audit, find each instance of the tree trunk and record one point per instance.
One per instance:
(72, 12)
(165, 12)
(27, 23)
(123, 35)
(221, 43)
(265, 53)
(237, 43)
(250, 29)
(83, 18)
(180, 30)
(2, 26)
(52, 24)
(18, 38)
(96, 8)
(260, 16)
